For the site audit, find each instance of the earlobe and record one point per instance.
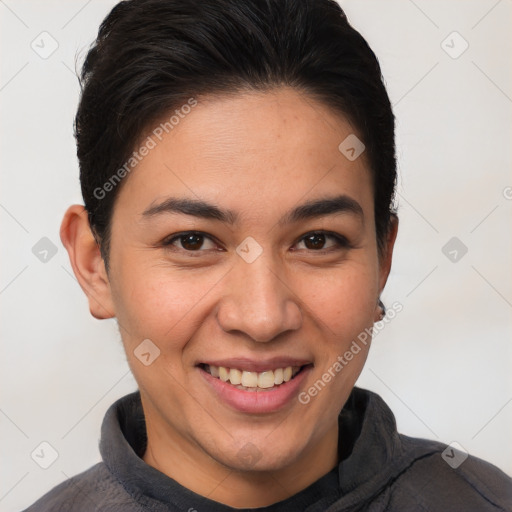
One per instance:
(86, 261)
(380, 311)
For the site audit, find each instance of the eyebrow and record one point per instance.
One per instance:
(202, 209)
(322, 207)
(194, 207)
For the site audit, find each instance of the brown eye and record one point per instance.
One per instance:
(323, 241)
(192, 242)
(314, 241)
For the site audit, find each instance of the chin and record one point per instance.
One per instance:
(257, 456)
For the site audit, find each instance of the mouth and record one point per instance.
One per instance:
(254, 386)
(253, 381)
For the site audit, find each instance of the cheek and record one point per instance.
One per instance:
(161, 305)
(342, 301)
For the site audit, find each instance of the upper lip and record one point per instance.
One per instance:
(260, 365)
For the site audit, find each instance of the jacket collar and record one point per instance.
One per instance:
(369, 446)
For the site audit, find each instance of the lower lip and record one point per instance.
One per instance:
(256, 401)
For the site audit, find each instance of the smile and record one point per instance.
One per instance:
(253, 381)
(255, 387)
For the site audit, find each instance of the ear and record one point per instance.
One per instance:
(386, 257)
(85, 258)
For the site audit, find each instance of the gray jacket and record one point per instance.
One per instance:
(380, 470)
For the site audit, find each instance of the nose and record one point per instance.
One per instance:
(258, 302)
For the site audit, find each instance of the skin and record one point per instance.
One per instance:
(259, 154)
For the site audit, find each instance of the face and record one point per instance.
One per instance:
(246, 240)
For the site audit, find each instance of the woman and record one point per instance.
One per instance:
(238, 170)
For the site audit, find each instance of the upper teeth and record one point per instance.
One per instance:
(265, 379)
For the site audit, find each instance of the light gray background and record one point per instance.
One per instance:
(443, 364)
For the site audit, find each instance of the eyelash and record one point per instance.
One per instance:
(340, 241)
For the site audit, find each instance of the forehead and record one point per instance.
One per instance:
(254, 151)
